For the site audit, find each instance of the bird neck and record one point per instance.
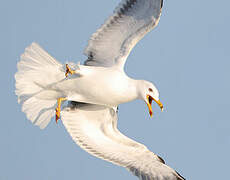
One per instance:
(134, 88)
(139, 88)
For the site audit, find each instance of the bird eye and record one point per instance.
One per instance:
(150, 89)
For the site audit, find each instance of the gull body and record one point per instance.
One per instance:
(90, 85)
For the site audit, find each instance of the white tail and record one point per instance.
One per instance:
(37, 71)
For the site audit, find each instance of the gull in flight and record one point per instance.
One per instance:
(95, 89)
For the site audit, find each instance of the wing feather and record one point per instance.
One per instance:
(111, 44)
(94, 128)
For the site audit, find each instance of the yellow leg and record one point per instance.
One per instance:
(68, 71)
(58, 109)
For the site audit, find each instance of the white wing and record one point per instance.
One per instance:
(112, 43)
(94, 128)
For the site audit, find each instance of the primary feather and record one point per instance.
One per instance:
(94, 128)
(111, 44)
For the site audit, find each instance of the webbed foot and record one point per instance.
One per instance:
(58, 109)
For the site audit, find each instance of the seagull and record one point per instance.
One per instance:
(94, 90)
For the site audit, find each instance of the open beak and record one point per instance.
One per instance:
(149, 103)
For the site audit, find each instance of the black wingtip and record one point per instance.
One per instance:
(180, 177)
(162, 3)
(161, 159)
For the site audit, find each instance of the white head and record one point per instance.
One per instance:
(148, 92)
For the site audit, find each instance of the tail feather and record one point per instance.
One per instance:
(37, 71)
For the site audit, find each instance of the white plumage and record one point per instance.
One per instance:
(96, 89)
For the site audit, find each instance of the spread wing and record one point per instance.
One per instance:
(113, 41)
(94, 128)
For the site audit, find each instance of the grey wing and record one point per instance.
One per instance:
(94, 129)
(113, 41)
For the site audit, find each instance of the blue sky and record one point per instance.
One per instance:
(186, 56)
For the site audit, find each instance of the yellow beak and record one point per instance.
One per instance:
(149, 103)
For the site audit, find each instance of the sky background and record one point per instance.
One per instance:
(188, 58)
